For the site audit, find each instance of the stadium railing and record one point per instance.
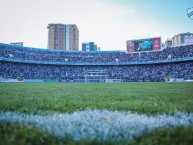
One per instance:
(97, 63)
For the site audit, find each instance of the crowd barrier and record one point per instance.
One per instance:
(176, 80)
(51, 81)
(98, 63)
(117, 80)
(188, 80)
(91, 80)
(33, 80)
(8, 80)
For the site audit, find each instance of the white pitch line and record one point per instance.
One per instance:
(99, 125)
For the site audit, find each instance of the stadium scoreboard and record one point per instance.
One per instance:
(140, 45)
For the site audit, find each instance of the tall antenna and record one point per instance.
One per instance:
(190, 13)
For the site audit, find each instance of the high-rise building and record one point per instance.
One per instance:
(17, 43)
(63, 36)
(89, 46)
(180, 38)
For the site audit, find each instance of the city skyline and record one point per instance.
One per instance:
(109, 23)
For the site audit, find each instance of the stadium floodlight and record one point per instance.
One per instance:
(190, 13)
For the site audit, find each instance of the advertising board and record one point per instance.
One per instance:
(148, 44)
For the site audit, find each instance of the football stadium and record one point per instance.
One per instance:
(130, 84)
(104, 97)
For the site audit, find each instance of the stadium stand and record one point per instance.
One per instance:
(24, 63)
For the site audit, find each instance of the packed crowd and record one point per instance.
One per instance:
(153, 72)
(34, 54)
(158, 72)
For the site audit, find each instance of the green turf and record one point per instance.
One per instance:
(21, 135)
(48, 98)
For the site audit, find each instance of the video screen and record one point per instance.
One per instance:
(150, 44)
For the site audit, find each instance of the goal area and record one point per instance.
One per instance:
(95, 76)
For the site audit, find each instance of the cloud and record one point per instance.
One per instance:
(108, 23)
(97, 21)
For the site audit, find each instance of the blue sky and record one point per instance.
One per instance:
(109, 23)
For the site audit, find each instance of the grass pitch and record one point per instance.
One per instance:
(51, 98)
(47, 98)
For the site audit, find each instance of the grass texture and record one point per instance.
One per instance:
(54, 99)
(51, 98)
(101, 126)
